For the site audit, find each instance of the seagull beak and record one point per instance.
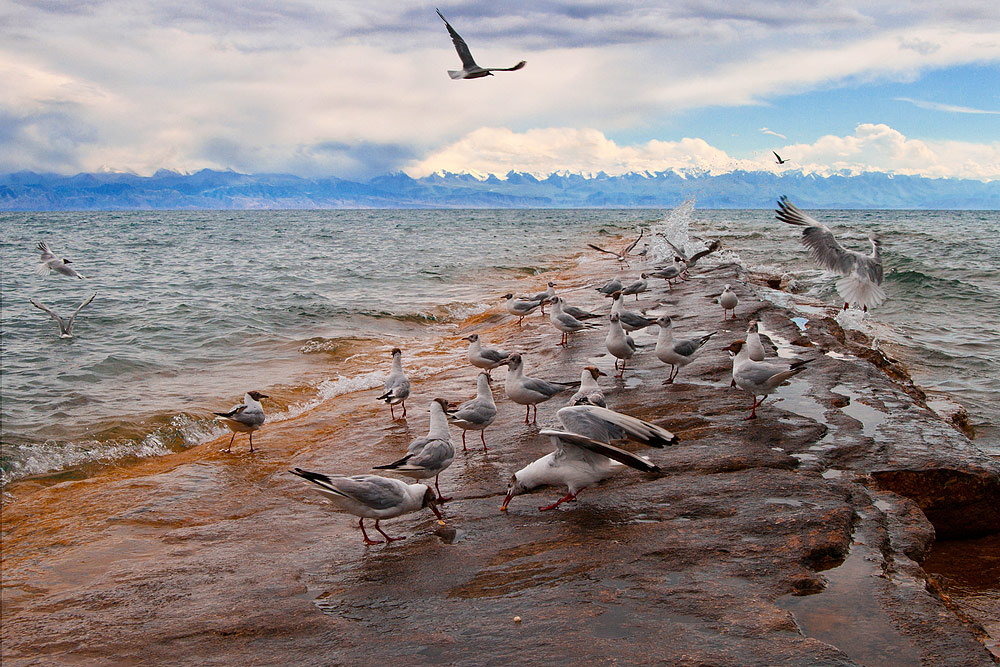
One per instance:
(506, 501)
(437, 513)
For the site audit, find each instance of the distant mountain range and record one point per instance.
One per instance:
(207, 189)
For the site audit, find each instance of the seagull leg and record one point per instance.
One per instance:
(387, 538)
(404, 409)
(519, 320)
(368, 540)
(482, 436)
(845, 305)
(441, 496)
(568, 498)
(753, 408)
(391, 411)
(670, 380)
(231, 442)
(534, 417)
(463, 440)
(527, 411)
(251, 442)
(732, 383)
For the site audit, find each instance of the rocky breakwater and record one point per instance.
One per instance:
(792, 539)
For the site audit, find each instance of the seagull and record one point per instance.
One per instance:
(590, 392)
(670, 273)
(610, 287)
(780, 161)
(397, 387)
(677, 353)
(65, 326)
(520, 307)
(862, 273)
(477, 414)
(578, 313)
(690, 261)
(529, 391)
(754, 347)
(428, 456)
(373, 497)
(483, 357)
(630, 320)
(626, 249)
(470, 70)
(637, 287)
(619, 343)
(728, 300)
(544, 296)
(245, 417)
(757, 377)
(583, 454)
(51, 263)
(565, 322)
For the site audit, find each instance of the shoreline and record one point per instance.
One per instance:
(200, 500)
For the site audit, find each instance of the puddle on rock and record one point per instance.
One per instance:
(869, 417)
(794, 398)
(800, 322)
(847, 615)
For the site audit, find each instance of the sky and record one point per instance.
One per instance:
(356, 89)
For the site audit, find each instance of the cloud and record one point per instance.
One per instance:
(951, 108)
(872, 147)
(772, 132)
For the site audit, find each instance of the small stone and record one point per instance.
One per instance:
(517, 619)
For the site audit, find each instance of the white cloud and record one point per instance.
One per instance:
(950, 108)
(542, 152)
(766, 130)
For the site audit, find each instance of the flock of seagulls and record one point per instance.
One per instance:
(585, 449)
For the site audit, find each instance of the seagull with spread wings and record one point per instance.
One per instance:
(626, 249)
(65, 326)
(862, 274)
(470, 70)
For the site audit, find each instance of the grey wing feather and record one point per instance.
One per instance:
(41, 306)
(494, 355)
(78, 309)
(597, 423)
(686, 348)
(542, 387)
(602, 448)
(823, 246)
(371, 490)
(432, 455)
(460, 45)
(631, 245)
(680, 253)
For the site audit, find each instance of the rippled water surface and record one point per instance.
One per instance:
(194, 308)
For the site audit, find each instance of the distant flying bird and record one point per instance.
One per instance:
(52, 263)
(470, 70)
(626, 249)
(780, 161)
(862, 273)
(65, 326)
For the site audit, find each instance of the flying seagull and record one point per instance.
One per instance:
(65, 326)
(470, 70)
(626, 249)
(780, 161)
(52, 263)
(862, 273)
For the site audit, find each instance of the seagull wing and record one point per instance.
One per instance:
(69, 325)
(507, 69)
(372, 491)
(583, 442)
(463, 49)
(600, 249)
(42, 306)
(680, 253)
(632, 245)
(598, 423)
(824, 248)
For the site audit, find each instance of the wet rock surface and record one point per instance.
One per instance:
(792, 539)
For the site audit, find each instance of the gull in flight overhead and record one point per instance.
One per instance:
(428, 456)
(862, 273)
(757, 377)
(51, 263)
(245, 417)
(584, 455)
(780, 161)
(397, 387)
(477, 414)
(373, 497)
(690, 261)
(470, 70)
(65, 326)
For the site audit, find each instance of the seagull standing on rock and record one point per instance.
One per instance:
(470, 70)
(757, 377)
(397, 387)
(245, 417)
(728, 300)
(373, 497)
(590, 392)
(477, 414)
(484, 357)
(529, 391)
(637, 287)
(630, 320)
(619, 343)
(520, 307)
(428, 456)
(677, 353)
(565, 322)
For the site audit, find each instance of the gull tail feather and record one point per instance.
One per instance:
(861, 292)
